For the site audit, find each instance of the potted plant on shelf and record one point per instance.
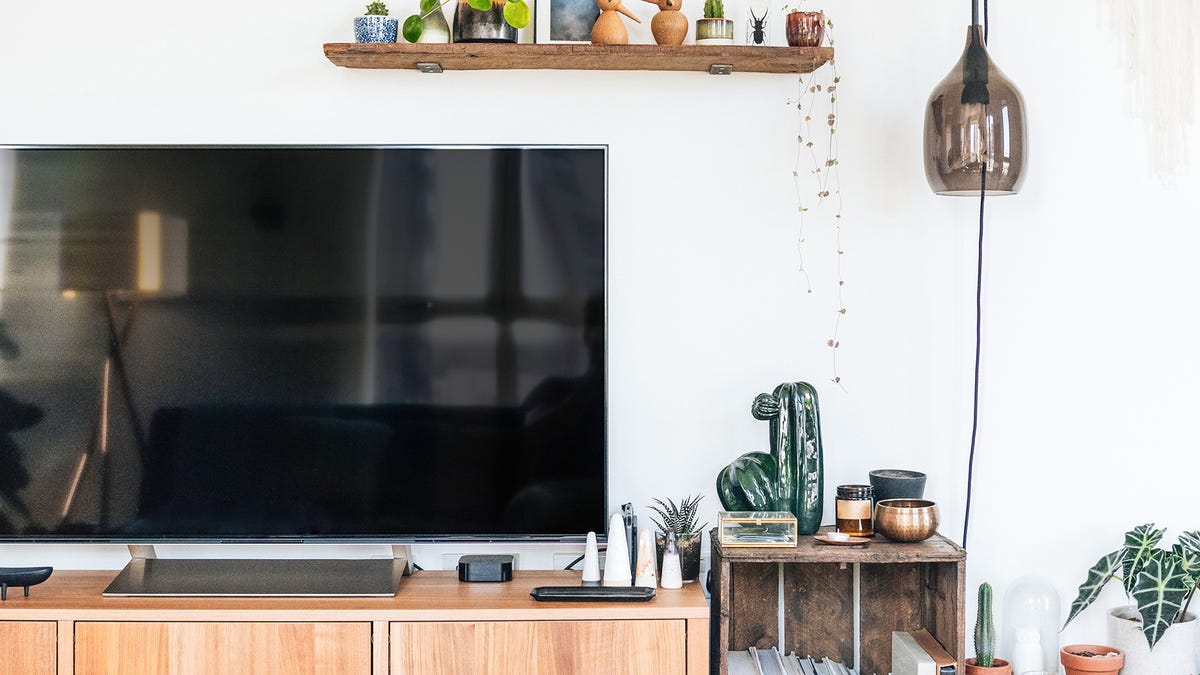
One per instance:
(1091, 660)
(1157, 634)
(804, 29)
(474, 20)
(714, 28)
(985, 661)
(680, 519)
(375, 25)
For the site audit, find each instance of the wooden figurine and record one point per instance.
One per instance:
(647, 573)
(608, 29)
(669, 26)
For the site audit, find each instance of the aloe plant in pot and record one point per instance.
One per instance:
(680, 519)
(985, 661)
(1157, 634)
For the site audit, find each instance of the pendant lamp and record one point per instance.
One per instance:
(975, 126)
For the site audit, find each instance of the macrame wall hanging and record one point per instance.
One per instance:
(1157, 45)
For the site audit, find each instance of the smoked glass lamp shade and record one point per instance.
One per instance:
(975, 121)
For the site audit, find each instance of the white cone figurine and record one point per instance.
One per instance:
(616, 560)
(672, 575)
(647, 574)
(591, 562)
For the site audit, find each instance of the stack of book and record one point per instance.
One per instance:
(918, 653)
(773, 662)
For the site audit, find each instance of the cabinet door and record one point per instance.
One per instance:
(27, 647)
(131, 648)
(539, 648)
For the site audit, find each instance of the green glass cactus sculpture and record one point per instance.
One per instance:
(985, 633)
(789, 478)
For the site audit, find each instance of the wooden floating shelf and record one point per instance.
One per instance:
(720, 59)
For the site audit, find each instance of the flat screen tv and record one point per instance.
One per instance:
(301, 343)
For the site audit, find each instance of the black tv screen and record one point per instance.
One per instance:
(283, 343)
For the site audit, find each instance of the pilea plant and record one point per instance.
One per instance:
(1161, 582)
(516, 14)
(714, 9)
(985, 631)
(377, 9)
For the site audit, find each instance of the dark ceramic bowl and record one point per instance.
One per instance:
(897, 484)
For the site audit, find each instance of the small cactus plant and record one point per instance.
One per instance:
(985, 632)
(714, 9)
(377, 9)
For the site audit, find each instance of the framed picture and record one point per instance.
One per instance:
(564, 20)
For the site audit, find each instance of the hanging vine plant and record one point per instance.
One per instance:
(817, 180)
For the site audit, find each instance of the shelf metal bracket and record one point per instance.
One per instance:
(720, 69)
(426, 67)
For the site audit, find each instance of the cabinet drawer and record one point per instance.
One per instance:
(539, 647)
(28, 647)
(186, 648)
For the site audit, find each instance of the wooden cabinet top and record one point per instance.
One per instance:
(880, 550)
(425, 596)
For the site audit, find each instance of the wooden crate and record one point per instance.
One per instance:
(899, 587)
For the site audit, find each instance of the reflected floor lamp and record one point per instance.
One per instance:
(975, 146)
(125, 257)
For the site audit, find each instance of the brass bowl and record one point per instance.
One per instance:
(906, 520)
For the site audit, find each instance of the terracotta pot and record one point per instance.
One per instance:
(1091, 665)
(805, 29)
(999, 667)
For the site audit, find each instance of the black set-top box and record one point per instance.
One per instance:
(485, 568)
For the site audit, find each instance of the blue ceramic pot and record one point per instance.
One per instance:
(375, 28)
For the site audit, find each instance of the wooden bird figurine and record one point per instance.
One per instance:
(608, 29)
(669, 26)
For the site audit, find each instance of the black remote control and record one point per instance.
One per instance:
(592, 593)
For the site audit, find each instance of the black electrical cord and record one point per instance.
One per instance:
(978, 320)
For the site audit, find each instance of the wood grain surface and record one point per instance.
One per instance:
(579, 57)
(539, 648)
(186, 648)
(819, 610)
(27, 647)
(903, 586)
(425, 596)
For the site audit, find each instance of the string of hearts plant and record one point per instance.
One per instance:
(821, 185)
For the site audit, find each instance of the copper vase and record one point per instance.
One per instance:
(805, 29)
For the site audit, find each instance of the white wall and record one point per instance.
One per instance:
(1090, 342)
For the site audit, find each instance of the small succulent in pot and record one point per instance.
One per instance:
(375, 25)
(714, 28)
(681, 519)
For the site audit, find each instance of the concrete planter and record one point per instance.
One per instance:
(1175, 653)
